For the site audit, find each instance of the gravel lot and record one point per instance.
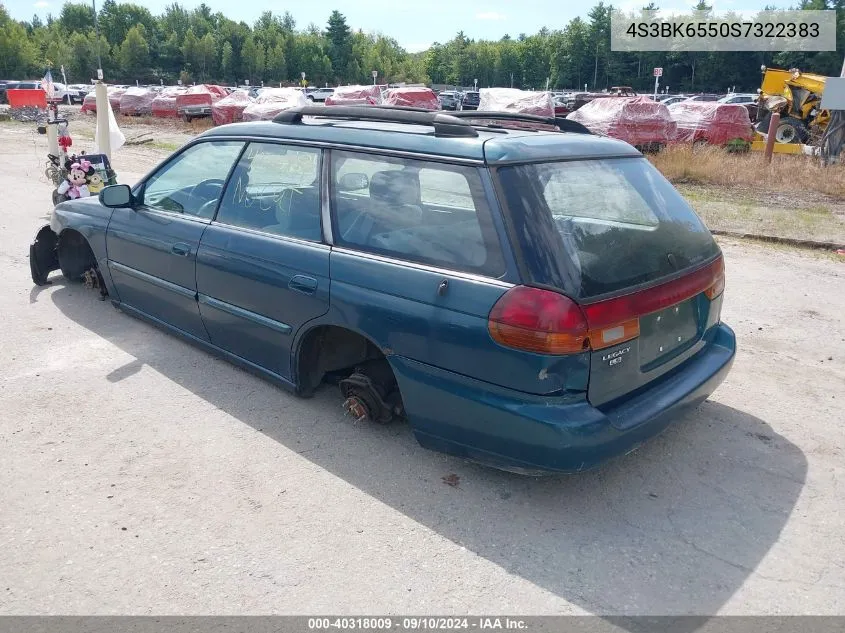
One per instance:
(140, 475)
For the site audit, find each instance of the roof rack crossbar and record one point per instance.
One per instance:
(564, 125)
(444, 125)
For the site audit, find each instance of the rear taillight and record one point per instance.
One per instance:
(537, 320)
(546, 322)
(718, 285)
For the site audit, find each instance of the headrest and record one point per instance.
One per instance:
(396, 187)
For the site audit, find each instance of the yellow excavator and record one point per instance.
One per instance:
(797, 97)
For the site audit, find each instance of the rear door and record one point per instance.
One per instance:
(262, 267)
(418, 264)
(152, 249)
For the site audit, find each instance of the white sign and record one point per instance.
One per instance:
(658, 72)
(375, 74)
(833, 97)
(302, 75)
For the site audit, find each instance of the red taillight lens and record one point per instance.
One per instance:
(718, 285)
(546, 322)
(537, 320)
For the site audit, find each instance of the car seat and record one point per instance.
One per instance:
(298, 214)
(394, 203)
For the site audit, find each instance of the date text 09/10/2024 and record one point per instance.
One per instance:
(416, 623)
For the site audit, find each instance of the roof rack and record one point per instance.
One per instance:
(444, 124)
(564, 125)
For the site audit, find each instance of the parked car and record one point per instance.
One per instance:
(449, 100)
(561, 105)
(78, 91)
(318, 94)
(4, 86)
(64, 94)
(470, 100)
(562, 320)
(703, 98)
(668, 100)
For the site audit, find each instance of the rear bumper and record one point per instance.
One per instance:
(197, 110)
(535, 434)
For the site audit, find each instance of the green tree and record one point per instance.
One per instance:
(277, 68)
(253, 58)
(75, 18)
(340, 43)
(18, 55)
(116, 19)
(189, 48)
(205, 57)
(134, 55)
(227, 62)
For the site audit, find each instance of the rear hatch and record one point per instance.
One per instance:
(618, 240)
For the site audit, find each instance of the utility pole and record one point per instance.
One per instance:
(97, 31)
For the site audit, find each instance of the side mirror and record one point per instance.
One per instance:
(117, 197)
(353, 182)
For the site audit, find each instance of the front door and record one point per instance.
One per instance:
(262, 266)
(152, 248)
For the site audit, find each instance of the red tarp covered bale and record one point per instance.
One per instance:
(89, 103)
(635, 120)
(115, 95)
(517, 101)
(412, 96)
(199, 97)
(230, 109)
(271, 101)
(164, 105)
(709, 122)
(355, 95)
(137, 101)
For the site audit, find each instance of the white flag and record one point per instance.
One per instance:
(116, 137)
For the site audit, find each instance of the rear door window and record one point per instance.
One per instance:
(597, 227)
(422, 211)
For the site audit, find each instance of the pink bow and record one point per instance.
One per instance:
(86, 165)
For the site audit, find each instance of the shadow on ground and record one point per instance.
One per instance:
(675, 528)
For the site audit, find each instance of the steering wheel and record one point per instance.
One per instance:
(210, 189)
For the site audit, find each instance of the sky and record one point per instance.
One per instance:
(415, 24)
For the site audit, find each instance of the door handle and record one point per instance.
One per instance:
(303, 284)
(181, 249)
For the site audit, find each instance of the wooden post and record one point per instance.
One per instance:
(770, 137)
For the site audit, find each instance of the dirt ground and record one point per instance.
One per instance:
(799, 215)
(143, 476)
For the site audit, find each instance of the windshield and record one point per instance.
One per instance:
(595, 227)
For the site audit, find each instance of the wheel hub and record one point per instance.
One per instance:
(357, 408)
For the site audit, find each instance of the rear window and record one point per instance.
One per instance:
(595, 227)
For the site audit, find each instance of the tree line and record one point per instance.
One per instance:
(203, 46)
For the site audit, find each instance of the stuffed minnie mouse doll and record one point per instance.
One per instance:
(76, 184)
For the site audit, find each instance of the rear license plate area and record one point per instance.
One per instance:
(666, 333)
